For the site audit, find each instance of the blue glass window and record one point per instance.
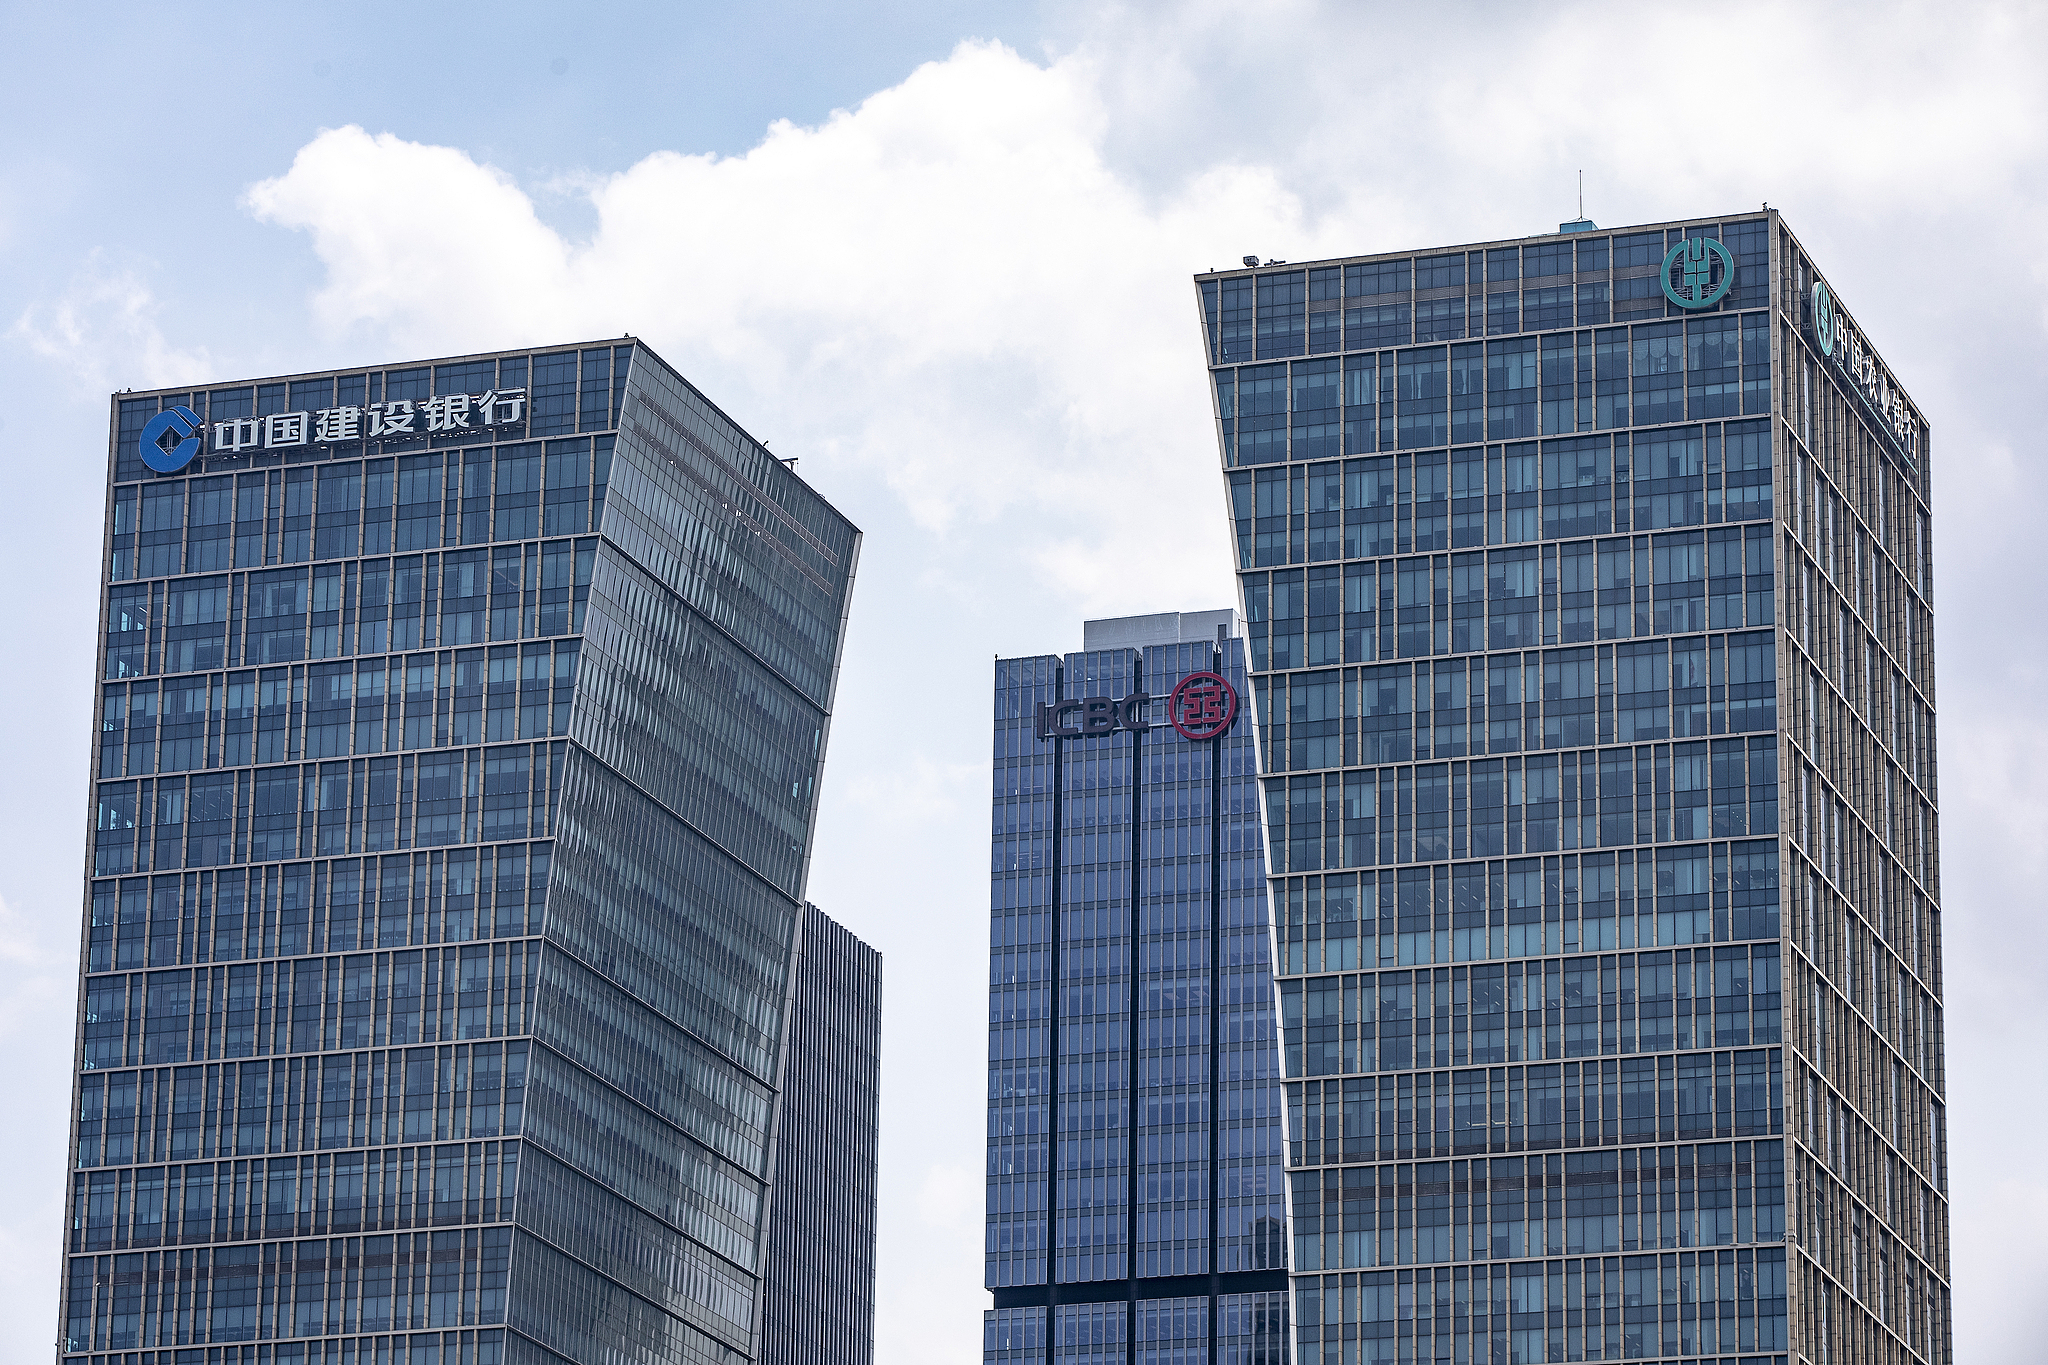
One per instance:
(1424, 398)
(1282, 316)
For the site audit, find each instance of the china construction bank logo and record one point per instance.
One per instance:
(171, 440)
(1698, 273)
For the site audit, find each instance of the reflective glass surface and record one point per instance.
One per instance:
(1591, 644)
(1134, 1113)
(460, 733)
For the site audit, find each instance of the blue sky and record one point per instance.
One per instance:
(940, 252)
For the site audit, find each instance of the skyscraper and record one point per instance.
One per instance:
(1588, 582)
(459, 747)
(1134, 1196)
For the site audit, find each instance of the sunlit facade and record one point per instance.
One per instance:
(1588, 583)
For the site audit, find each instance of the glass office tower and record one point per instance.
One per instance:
(1134, 1199)
(1588, 579)
(459, 747)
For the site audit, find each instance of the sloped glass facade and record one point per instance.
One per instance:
(460, 732)
(1133, 1181)
(1591, 643)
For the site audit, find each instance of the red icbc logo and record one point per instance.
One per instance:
(1203, 706)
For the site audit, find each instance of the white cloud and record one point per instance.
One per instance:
(967, 302)
(407, 230)
(106, 324)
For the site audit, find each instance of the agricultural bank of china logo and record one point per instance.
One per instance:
(1698, 273)
(1824, 318)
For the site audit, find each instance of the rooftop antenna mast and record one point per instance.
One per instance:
(1580, 223)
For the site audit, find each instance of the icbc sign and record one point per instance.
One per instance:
(1203, 706)
(1098, 716)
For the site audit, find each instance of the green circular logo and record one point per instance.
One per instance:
(1690, 269)
(1824, 318)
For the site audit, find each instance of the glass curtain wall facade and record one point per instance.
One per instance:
(818, 1295)
(1591, 642)
(459, 739)
(1134, 1198)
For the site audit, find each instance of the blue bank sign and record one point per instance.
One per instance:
(176, 436)
(171, 440)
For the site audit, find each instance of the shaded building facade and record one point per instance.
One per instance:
(818, 1291)
(1133, 1181)
(460, 734)
(1588, 579)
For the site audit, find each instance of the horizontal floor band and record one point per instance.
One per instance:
(1155, 1287)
